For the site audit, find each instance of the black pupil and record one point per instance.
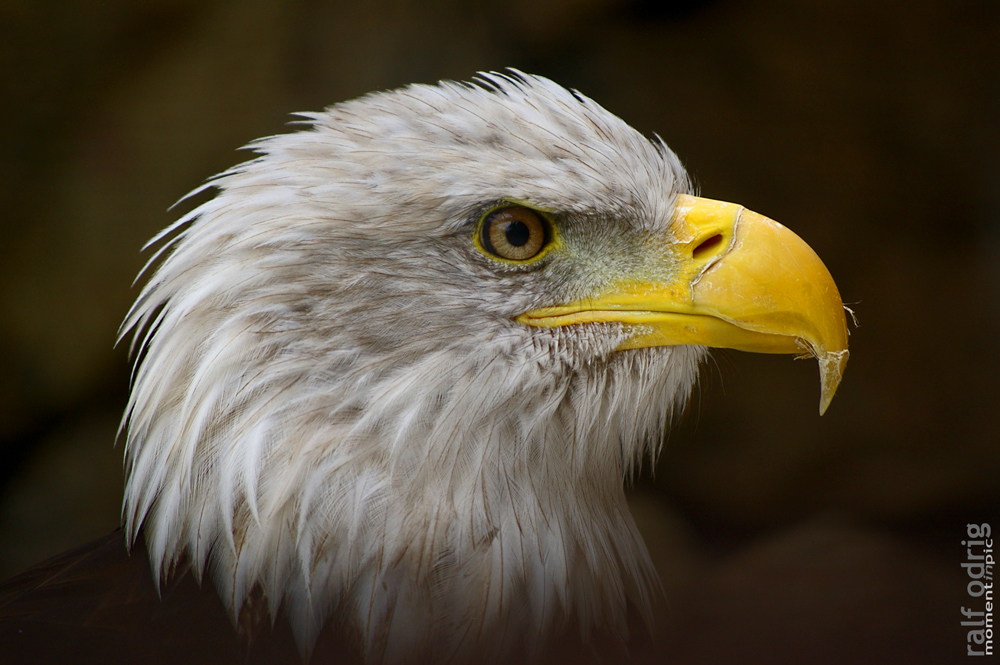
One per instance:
(517, 234)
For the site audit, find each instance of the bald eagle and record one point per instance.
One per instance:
(391, 378)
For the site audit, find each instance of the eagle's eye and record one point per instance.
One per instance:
(514, 233)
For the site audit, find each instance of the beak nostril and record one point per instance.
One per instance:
(707, 246)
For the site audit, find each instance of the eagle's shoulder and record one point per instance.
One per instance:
(98, 603)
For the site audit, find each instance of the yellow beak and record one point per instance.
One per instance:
(743, 282)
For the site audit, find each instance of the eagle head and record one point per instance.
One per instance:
(396, 370)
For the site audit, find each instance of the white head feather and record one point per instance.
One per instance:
(333, 405)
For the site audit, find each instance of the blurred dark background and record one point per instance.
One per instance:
(870, 127)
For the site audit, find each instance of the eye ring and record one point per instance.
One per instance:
(514, 233)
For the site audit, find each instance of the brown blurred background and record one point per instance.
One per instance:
(872, 128)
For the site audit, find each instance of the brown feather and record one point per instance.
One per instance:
(98, 604)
